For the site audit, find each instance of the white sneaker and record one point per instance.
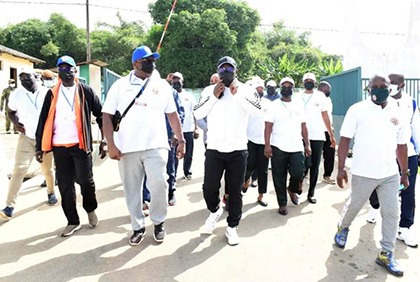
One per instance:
(405, 235)
(373, 214)
(232, 235)
(211, 221)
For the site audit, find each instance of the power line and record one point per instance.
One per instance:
(72, 4)
(333, 30)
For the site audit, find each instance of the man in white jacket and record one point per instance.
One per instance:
(227, 106)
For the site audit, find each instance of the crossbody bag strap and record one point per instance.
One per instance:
(138, 95)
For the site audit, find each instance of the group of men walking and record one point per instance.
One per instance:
(245, 129)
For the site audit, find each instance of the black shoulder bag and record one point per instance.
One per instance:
(116, 120)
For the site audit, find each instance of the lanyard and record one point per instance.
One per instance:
(287, 108)
(68, 102)
(307, 101)
(36, 98)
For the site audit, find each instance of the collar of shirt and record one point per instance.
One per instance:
(135, 80)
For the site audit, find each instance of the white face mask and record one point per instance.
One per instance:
(49, 83)
(12, 85)
(393, 89)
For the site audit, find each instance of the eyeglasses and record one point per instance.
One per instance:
(227, 69)
(65, 68)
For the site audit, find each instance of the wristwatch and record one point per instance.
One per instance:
(181, 141)
(406, 172)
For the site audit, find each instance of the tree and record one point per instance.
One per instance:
(28, 37)
(115, 44)
(202, 31)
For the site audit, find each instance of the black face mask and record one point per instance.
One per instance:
(286, 91)
(271, 90)
(309, 85)
(327, 94)
(148, 66)
(29, 84)
(227, 78)
(66, 76)
(177, 86)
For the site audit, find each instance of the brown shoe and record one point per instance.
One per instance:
(246, 185)
(283, 210)
(293, 197)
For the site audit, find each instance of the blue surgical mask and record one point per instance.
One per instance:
(379, 95)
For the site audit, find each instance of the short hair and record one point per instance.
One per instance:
(378, 77)
(323, 83)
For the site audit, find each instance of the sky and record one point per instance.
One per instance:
(383, 24)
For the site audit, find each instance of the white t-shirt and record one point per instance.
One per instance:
(188, 102)
(144, 126)
(227, 117)
(256, 124)
(411, 116)
(287, 119)
(376, 133)
(65, 128)
(329, 106)
(314, 104)
(28, 106)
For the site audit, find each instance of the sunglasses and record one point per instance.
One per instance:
(65, 68)
(227, 69)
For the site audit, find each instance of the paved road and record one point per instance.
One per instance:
(296, 247)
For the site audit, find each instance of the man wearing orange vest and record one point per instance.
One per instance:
(64, 128)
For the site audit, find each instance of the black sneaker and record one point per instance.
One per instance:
(159, 233)
(137, 237)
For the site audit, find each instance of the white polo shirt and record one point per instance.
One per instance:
(411, 116)
(287, 119)
(144, 126)
(188, 102)
(227, 117)
(376, 133)
(314, 104)
(28, 106)
(256, 124)
(329, 107)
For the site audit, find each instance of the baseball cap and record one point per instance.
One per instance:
(258, 83)
(66, 60)
(271, 83)
(309, 75)
(287, 79)
(26, 70)
(11, 81)
(179, 75)
(226, 60)
(143, 52)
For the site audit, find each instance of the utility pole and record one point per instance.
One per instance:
(88, 58)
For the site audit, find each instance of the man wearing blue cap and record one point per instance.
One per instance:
(141, 143)
(64, 127)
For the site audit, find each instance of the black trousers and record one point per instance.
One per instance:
(328, 154)
(233, 164)
(282, 163)
(188, 157)
(258, 163)
(312, 164)
(74, 165)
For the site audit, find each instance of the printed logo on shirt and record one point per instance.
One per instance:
(394, 121)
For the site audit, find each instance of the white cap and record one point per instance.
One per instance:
(287, 79)
(26, 70)
(309, 75)
(271, 83)
(179, 75)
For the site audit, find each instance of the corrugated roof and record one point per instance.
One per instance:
(4, 49)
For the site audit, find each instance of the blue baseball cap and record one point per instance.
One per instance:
(66, 60)
(143, 52)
